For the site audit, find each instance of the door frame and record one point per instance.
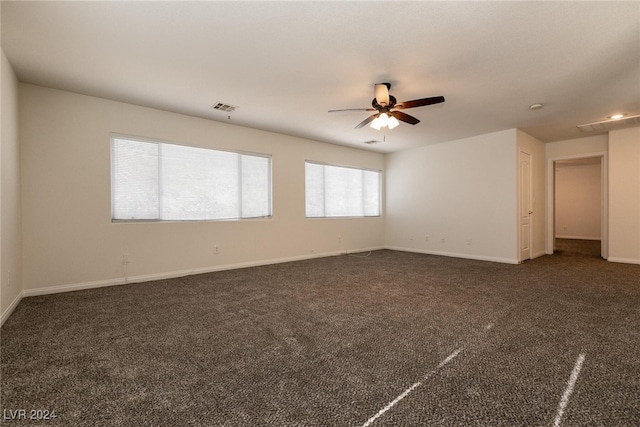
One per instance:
(604, 200)
(530, 203)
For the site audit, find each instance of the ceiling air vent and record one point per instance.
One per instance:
(224, 107)
(610, 124)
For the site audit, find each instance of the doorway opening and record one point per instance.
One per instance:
(578, 204)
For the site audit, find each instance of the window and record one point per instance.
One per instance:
(334, 191)
(168, 182)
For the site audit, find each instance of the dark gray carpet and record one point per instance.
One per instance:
(332, 341)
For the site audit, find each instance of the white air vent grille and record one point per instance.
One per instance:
(224, 107)
(610, 124)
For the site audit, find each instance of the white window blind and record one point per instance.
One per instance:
(335, 191)
(160, 181)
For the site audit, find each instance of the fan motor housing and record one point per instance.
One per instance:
(392, 102)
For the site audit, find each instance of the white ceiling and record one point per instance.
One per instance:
(285, 64)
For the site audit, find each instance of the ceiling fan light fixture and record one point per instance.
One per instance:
(384, 120)
(393, 122)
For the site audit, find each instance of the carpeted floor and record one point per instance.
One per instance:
(578, 248)
(393, 339)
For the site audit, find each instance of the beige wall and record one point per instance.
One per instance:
(10, 222)
(624, 195)
(578, 201)
(70, 241)
(581, 147)
(461, 191)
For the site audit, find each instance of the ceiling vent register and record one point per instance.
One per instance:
(610, 124)
(224, 107)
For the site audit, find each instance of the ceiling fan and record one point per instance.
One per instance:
(388, 114)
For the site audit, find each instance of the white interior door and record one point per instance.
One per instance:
(525, 206)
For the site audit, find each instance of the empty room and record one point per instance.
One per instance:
(372, 213)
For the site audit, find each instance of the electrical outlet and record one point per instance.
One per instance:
(412, 237)
(469, 242)
(339, 239)
(216, 249)
(125, 258)
(443, 240)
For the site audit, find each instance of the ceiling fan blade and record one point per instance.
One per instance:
(382, 94)
(352, 109)
(366, 121)
(420, 102)
(403, 117)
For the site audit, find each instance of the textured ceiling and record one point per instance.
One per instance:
(285, 64)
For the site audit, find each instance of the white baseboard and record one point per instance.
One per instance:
(456, 255)
(578, 238)
(10, 309)
(180, 273)
(76, 286)
(624, 260)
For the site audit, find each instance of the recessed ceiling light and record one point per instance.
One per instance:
(616, 116)
(535, 106)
